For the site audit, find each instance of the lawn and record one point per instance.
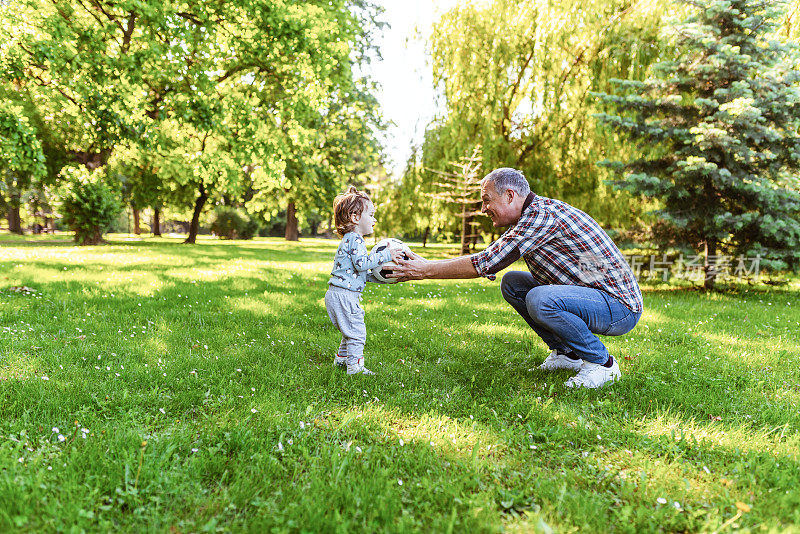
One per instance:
(154, 386)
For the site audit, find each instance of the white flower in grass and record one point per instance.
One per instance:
(21, 459)
(399, 481)
(677, 505)
(253, 410)
(45, 378)
(61, 437)
(55, 430)
(162, 410)
(661, 500)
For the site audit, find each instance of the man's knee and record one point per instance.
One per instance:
(540, 302)
(512, 283)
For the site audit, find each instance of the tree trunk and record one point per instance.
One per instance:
(136, 227)
(194, 227)
(425, 236)
(14, 219)
(89, 237)
(710, 265)
(465, 220)
(292, 233)
(156, 222)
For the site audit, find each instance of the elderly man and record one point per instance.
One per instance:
(579, 283)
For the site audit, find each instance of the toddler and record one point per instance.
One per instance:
(354, 216)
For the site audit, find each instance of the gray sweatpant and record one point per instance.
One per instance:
(347, 315)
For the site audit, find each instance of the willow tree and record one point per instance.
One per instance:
(725, 116)
(515, 76)
(406, 206)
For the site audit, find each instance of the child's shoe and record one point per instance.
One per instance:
(340, 361)
(358, 368)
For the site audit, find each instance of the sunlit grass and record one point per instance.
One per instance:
(150, 385)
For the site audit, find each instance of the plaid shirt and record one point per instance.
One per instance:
(562, 246)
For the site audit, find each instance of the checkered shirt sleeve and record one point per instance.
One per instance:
(532, 230)
(562, 245)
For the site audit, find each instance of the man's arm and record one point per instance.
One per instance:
(419, 268)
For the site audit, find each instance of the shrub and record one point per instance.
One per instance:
(233, 223)
(89, 206)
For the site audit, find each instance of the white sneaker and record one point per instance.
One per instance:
(340, 361)
(358, 368)
(556, 361)
(594, 375)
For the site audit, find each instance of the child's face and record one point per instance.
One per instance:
(366, 222)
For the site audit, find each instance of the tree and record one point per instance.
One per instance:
(89, 204)
(75, 64)
(218, 85)
(462, 189)
(328, 140)
(724, 118)
(134, 168)
(21, 159)
(405, 205)
(515, 76)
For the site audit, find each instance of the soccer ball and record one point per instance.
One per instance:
(382, 272)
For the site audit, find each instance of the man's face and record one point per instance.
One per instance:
(500, 207)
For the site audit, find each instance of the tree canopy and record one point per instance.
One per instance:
(206, 90)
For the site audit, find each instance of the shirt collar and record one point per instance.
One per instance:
(528, 201)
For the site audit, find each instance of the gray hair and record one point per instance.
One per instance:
(506, 178)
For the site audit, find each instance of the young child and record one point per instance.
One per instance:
(354, 216)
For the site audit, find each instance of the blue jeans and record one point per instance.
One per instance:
(568, 317)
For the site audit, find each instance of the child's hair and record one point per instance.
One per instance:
(353, 202)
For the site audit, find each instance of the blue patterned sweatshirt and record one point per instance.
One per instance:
(352, 263)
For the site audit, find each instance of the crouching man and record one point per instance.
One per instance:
(578, 284)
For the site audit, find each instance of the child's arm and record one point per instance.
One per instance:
(362, 260)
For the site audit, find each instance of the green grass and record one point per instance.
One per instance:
(193, 390)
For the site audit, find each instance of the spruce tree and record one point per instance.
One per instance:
(718, 133)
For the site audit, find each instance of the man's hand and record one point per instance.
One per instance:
(411, 269)
(397, 254)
